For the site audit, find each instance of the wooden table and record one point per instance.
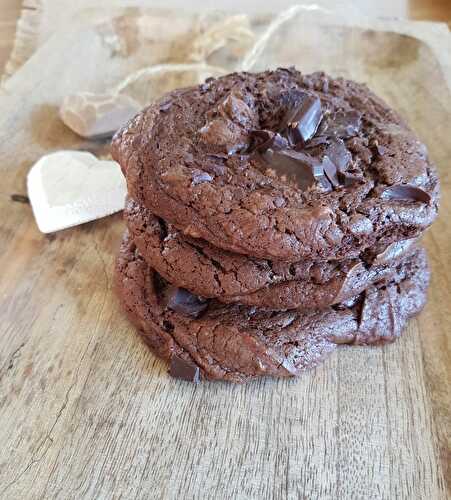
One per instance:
(86, 411)
(430, 10)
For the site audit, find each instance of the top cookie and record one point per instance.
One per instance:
(280, 165)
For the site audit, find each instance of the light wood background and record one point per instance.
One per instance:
(86, 411)
(430, 10)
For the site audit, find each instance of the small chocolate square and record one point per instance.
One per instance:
(184, 370)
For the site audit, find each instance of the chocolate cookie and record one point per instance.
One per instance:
(280, 166)
(229, 277)
(205, 339)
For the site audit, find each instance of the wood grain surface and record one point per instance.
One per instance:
(428, 10)
(87, 411)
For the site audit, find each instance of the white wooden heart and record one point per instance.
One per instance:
(68, 188)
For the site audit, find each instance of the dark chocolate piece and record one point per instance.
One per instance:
(184, 370)
(207, 271)
(20, 198)
(263, 140)
(331, 171)
(339, 154)
(406, 192)
(301, 121)
(319, 140)
(238, 343)
(184, 302)
(342, 124)
(347, 179)
(335, 162)
(306, 170)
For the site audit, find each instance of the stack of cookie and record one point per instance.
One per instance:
(271, 217)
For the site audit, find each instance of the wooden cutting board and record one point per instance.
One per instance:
(87, 411)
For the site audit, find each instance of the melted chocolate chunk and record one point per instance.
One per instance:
(406, 192)
(184, 302)
(347, 179)
(184, 370)
(331, 171)
(304, 169)
(343, 124)
(335, 161)
(339, 154)
(263, 140)
(319, 140)
(302, 119)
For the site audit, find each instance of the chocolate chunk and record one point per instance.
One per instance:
(347, 179)
(336, 159)
(184, 302)
(358, 145)
(184, 370)
(319, 140)
(339, 154)
(331, 171)
(405, 192)
(20, 198)
(302, 119)
(306, 170)
(266, 139)
(343, 124)
(394, 251)
(200, 176)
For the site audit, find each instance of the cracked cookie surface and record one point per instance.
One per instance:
(238, 343)
(281, 166)
(229, 277)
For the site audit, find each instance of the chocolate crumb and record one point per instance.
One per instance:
(20, 198)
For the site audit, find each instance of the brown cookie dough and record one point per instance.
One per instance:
(229, 277)
(280, 165)
(204, 339)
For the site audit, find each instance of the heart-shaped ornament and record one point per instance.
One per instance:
(97, 116)
(68, 188)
